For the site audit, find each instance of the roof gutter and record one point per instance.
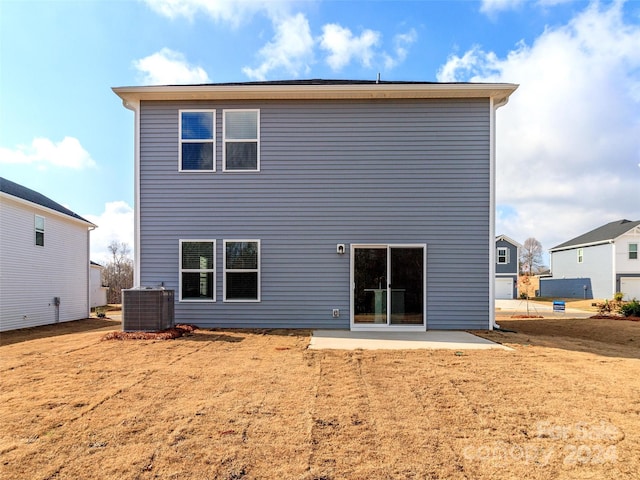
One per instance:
(499, 92)
(22, 201)
(133, 104)
(581, 245)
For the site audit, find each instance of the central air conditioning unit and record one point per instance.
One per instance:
(147, 309)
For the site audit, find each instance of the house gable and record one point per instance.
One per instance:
(20, 193)
(507, 255)
(604, 234)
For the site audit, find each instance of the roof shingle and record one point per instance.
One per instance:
(601, 234)
(24, 193)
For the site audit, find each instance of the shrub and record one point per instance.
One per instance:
(604, 307)
(630, 309)
(618, 296)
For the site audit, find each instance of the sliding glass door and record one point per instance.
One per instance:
(388, 285)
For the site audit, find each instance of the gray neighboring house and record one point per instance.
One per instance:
(597, 264)
(507, 267)
(318, 204)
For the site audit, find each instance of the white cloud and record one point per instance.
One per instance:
(491, 7)
(168, 67)
(233, 12)
(43, 152)
(568, 142)
(343, 46)
(115, 223)
(401, 49)
(291, 49)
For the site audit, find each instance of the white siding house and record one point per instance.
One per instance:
(597, 264)
(44, 260)
(98, 293)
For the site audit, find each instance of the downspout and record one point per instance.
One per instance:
(89, 230)
(613, 267)
(493, 105)
(492, 216)
(134, 106)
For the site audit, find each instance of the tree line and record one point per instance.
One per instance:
(118, 273)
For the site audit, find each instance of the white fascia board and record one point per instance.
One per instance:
(581, 245)
(510, 240)
(499, 92)
(47, 210)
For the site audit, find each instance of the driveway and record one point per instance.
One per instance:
(545, 309)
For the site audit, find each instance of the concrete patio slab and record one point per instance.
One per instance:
(433, 340)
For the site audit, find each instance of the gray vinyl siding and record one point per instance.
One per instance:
(331, 172)
(596, 266)
(512, 266)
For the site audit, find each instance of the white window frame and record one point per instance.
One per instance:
(630, 251)
(37, 230)
(245, 270)
(580, 255)
(193, 270)
(196, 140)
(240, 140)
(506, 256)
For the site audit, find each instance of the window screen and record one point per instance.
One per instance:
(39, 228)
(241, 140)
(197, 270)
(242, 270)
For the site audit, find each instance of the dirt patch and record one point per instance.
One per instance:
(617, 317)
(167, 334)
(232, 404)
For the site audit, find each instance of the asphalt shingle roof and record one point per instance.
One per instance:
(24, 193)
(601, 234)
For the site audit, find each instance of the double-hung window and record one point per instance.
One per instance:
(580, 255)
(503, 255)
(241, 270)
(241, 134)
(197, 141)
(39, 229)
(198, 270)
(633, 251)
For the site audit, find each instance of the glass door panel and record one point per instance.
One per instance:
(370, 280)
(407, 285)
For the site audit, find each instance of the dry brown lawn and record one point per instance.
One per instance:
(565, 403)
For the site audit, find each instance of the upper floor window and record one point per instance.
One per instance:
(197, 270)
(39, 228)
(633, 251)
(503, 255)
(242, 270)
(197, 140)
(580, 255)
(241, 134)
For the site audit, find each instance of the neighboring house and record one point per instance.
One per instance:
(44, 260)
(318, 204)
(507, 267)
(98, 293)
(597, 264)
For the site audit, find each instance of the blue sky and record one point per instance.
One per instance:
(568, 142)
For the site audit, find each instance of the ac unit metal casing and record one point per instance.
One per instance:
(147, 309)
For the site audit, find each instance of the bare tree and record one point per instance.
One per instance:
(530, 256)
(118, 273)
